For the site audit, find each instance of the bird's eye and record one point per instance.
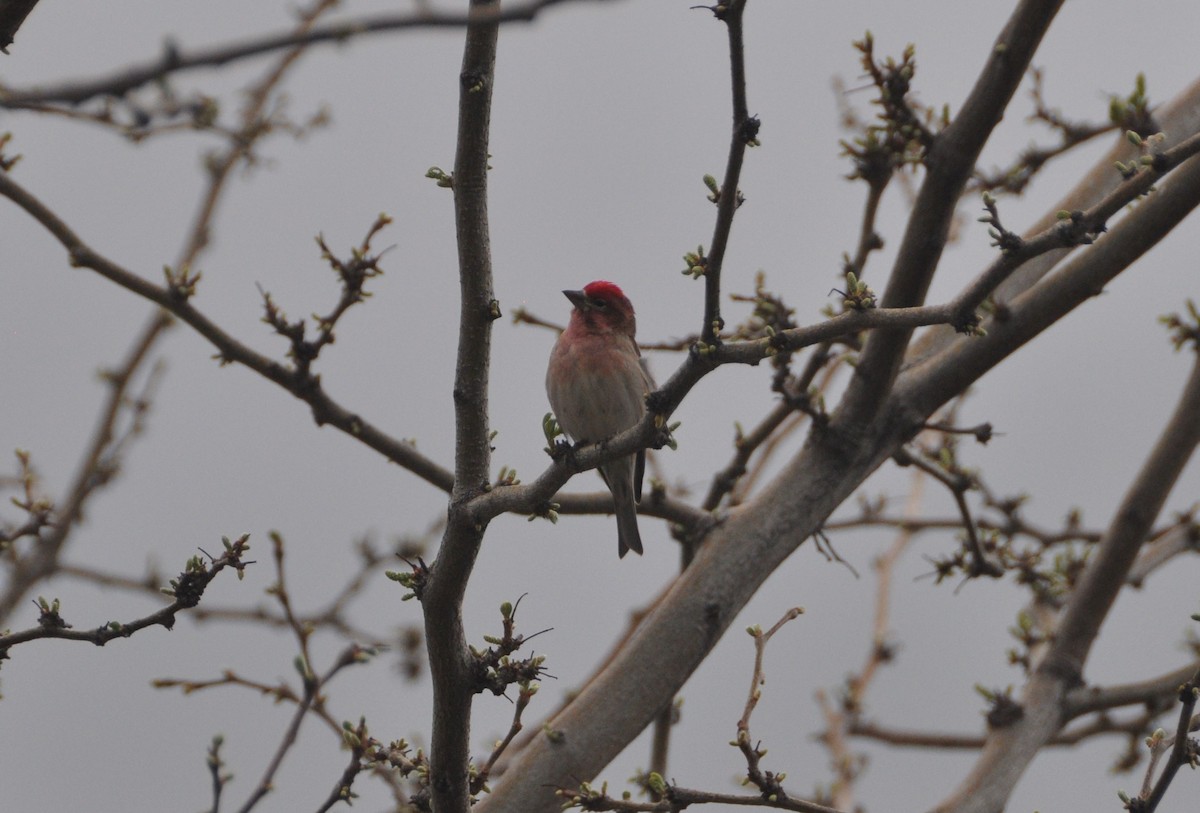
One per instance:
(599, 304)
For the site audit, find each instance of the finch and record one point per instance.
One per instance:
(597, 388)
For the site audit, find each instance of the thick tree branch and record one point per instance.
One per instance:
(450, 659)
(1180, 538)
(743, 549)
(1156, 692)
(1179, 119)
(1114, 556)
(942, 376)
(949, 164)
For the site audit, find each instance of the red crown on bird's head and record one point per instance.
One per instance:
(603, 289)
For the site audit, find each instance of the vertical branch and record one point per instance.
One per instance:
(660, 739)
(450, 661)
(745, 129)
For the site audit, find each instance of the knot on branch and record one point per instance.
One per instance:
(1076, 229)
(1003, 710)
(414, 579)
(748, 131)
(48, 615)
(188, 588)
(472, 80)
(495, 669)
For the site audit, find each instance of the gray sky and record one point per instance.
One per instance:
(606, 116)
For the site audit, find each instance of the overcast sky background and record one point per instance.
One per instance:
(606, 117)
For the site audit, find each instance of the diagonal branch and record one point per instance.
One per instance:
(951, 160)
(744, 547)
(940, 377)
(1081, 228)
(1151, 693)
(325, 410)
(1044, 703)
(1114, 556)
(1179, 119)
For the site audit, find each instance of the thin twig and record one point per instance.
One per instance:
(186, 590)
(958, 485)
(1183, 749)
(743, 132)
(768, 782)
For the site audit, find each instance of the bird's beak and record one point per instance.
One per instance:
(578, 299)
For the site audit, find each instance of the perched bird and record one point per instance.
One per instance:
(597, 388)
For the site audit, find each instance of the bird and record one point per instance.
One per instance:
(597, 387)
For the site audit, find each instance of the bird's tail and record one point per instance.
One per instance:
(628, 537)
(619, 476)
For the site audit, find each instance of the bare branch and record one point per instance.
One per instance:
(949, 164)
(450, 661)
(744, 133)
(175, 60)
(175, 298)
(1183, 749)
(186, 590)
(769, 783)
(1157, 692)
